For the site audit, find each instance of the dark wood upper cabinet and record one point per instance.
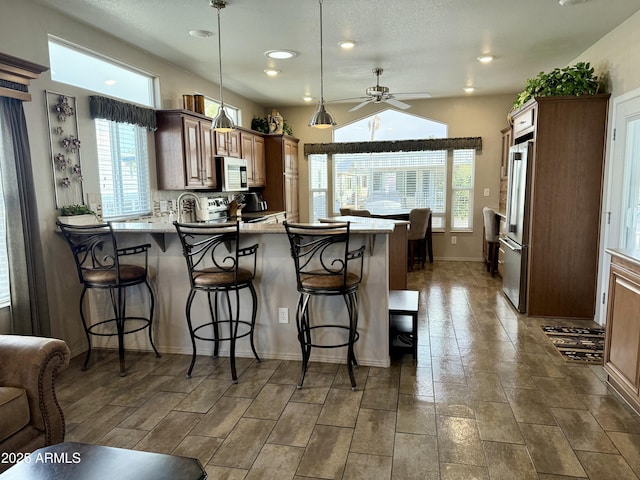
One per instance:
(184, 151)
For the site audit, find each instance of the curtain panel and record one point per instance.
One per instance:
(29, 301)
(463, 143)
(116, 111)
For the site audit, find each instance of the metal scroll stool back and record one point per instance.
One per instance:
(322, 261)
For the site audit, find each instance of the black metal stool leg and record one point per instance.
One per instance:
(351, 359)
(118, 300)
(152, 301)
(192, 294)
(233, 332)
(304, 334)
(254, 312)
(213, 309)
(86, 330)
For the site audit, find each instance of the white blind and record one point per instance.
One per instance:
(123, 163)
(318, 186)
(462, 180)
(392, 182)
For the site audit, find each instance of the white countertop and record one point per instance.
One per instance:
(358, 225)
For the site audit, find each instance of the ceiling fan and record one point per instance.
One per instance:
(380, 93)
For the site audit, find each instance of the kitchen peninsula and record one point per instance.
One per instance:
(276, 286)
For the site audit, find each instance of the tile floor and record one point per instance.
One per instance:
(488, 399)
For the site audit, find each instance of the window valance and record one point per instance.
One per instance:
(463, 143)
(117, 111)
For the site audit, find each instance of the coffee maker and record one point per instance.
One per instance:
(254, 202)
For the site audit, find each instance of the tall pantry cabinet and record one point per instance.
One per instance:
(281, 189)
(565, 201)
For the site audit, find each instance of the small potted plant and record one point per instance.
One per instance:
(77, 215)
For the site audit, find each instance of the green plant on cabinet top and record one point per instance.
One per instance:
(575, 80)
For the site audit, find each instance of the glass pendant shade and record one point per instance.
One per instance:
(321, 118)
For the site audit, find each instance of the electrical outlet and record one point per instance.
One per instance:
(487, 192)
(163, 206)
(283, 315)
(454, 240)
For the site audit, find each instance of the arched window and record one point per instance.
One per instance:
(412, 173)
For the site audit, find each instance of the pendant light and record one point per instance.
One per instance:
(321, 118)
(221, 122)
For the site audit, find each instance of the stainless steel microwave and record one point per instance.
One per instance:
(232, 174)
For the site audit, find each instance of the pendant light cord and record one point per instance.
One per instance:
(321, 60)
(219, 5)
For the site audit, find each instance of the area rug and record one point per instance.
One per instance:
(576, 344)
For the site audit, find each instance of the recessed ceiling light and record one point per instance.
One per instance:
(280, 54)
(347, 44)
(469, 89)
(485, 58)
(568, 3)
(110, 82)
(307, 98)
(201, 33)
(272, 72)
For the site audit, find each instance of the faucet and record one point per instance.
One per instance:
(181, 198)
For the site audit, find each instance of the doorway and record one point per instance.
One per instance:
(620, 222)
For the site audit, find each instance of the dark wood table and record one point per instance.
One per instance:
(80, 461)
(401, 215)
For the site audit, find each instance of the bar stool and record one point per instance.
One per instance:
(418, 223)
(213, 256)
(491, 235)
(321, 257)
(98, 261)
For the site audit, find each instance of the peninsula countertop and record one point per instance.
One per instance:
(373, 226)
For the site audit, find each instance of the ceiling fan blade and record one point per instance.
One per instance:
(413, 96)
(352, 99)
(397, 103)
(359, 106)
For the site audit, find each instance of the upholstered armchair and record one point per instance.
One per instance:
(30, 416)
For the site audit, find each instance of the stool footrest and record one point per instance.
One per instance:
(222, 339)
(144, 320)
(343, 327)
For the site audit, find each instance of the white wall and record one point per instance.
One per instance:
(617, 55)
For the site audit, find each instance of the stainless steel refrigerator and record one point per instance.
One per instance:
(515, 243)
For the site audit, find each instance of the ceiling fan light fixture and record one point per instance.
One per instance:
(221, 122)
(321, 118)
(280, 54)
